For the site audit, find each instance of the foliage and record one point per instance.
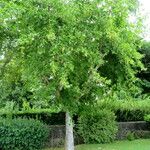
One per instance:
(147, 118)
(130, 115)
(144, 75)
(130, 136)
(66, 51)
(98, 127)
(47, 116)
(22, 134)
(145, 49)
(133, 109)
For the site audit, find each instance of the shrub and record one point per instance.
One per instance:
(127, 110)
(98, 127)
(45, 115)
(123, 115)
(147, 118)
(130, 136)
(22, 134)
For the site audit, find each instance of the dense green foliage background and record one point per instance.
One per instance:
(145, 75)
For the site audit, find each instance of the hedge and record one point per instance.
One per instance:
(22, 134)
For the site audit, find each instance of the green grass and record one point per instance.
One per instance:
(142, 144)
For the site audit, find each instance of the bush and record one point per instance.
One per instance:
(22, 134)
(45, 115)
(127, 110)
(130, 136)
(98, 127)
(123, 115)
(147, 118)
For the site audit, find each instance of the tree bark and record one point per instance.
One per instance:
(69, 133)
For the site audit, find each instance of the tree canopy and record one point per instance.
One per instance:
(67, 52)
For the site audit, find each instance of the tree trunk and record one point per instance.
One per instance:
(69, 133)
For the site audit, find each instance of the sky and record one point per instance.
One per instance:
(145, 12)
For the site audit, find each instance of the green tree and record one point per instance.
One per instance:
(144, 75)
(67, 52)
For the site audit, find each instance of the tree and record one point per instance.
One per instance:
(62, 49)
(144, 75)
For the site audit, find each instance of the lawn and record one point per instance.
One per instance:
(142, 144)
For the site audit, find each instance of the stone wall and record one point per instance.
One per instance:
(139, 128)
(57, 136)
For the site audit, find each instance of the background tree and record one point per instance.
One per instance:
(145, 75)
(67, 52)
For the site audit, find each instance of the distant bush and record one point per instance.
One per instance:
(98, 127)
(45, 115)
(123, 115)
(22, 134)
(127, 110)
